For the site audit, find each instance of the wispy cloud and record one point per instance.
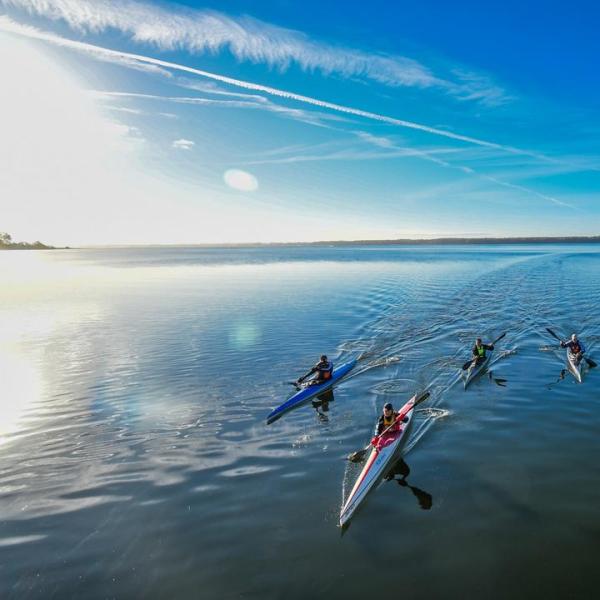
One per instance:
(121, 58)
(128, 59)
(381, 141)
(183, 144)
(240, 100)
(9, 25)
(248, 39)
(124, 109)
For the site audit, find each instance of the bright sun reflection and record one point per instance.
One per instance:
(21, 387)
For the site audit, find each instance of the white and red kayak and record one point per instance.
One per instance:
(380, 461)
(574, 366)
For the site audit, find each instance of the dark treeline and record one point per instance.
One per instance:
(7, 243)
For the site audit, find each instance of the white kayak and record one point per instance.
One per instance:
(476, 370)
(574, 366)
(380, 461)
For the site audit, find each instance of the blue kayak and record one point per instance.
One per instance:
(310, 391)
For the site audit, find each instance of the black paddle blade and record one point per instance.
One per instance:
(590, 362)
(357, 456)
(422, 398)
(498, 339)
(552, 333)
(467, 365)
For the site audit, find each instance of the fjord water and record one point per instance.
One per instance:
(135, 460)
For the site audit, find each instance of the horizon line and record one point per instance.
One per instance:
(363, 242)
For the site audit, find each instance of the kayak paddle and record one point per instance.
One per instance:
(589, 361)
(359, 454)
(470, 362)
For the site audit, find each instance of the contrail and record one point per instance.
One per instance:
(9, 25)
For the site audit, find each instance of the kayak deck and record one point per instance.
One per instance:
(574, 367)
(310, 391)
(474, 371)
(380, 461)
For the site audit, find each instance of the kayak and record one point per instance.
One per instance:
(310, 391)
(380, 461)
(574, 367)
(475, 371)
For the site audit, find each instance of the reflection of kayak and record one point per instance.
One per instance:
(476, 370)
(310, 391)
(379, 463)
(574, 366)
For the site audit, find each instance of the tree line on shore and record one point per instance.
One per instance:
(7, 243)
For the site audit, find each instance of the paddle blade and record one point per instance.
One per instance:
(498, 339)
(552, 333)
(466, 366)
(422, 398)
(590, 362)
(358, 456)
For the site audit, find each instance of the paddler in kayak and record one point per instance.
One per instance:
(323, 370)
(576, 348)
(479, 351)
(387, 423)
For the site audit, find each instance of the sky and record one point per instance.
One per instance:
(139, 122)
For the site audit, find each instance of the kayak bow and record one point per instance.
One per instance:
(574, 366)
(476, 370)
(380, 461)
(310, 391)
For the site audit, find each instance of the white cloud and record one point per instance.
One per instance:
(240, 180)
(249, 39)
(376, 140)
(241, 100)
(183, 144)
(11, 26)
(7, 24)
(124, 109)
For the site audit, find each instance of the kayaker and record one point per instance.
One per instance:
(388, 420)
(479, 351)
(323, 370)
(575, 346)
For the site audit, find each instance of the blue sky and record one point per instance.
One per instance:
(155, 122)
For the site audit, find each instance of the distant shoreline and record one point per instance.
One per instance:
(397, 242)
(7, 243)
(442, 241)
(26, 246)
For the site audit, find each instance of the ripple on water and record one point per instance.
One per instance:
(394, 386)
(248, 470)
(17, 541)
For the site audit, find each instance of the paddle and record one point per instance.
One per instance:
(589, 361)
(300, 379)
(359, 454)
(470, 362)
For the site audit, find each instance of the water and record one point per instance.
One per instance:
(135, 460)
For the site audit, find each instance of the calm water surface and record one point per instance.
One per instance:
(135, 460)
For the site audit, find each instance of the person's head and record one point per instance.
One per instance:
(574, 337)
(478, 342)
(388, 409)
(323, 358)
